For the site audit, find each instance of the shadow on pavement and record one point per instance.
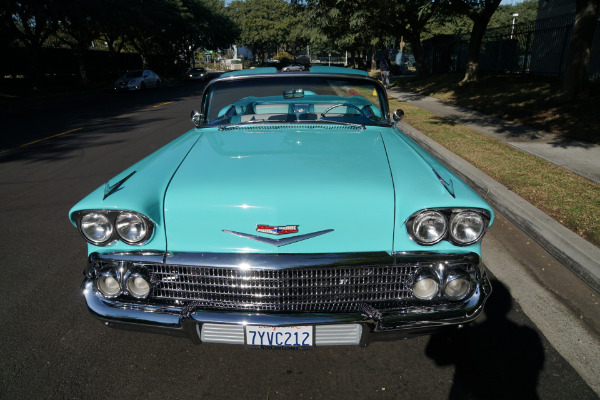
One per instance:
(495, 359)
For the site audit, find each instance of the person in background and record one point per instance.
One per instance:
(384, 67)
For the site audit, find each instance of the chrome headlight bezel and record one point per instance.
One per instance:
(462, 217)
(92, 222)
(100, 283)
(132, 221)
(457, 276)
(430, 279)
(451, 216)
(418, 221)
(111, 216)
(129, 282)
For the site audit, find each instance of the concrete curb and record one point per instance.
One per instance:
(570, 249)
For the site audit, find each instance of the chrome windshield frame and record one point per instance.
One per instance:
(358, 79)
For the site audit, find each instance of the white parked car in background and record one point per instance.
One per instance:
(137, 79)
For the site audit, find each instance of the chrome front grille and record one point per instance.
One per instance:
(314, 289)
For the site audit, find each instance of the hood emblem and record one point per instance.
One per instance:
(279, 242)
(277, 230)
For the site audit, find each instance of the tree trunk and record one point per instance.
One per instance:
(80, 57)
(472, 70)
(415, 40)
(580, 47)
(373, 58)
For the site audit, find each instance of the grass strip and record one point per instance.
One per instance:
(524, 99)
(565, 196)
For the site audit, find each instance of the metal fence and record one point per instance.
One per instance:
(538, 47)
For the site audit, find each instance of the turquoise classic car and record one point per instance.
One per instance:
(295, 214)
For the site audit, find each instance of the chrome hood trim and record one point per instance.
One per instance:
(279, 242)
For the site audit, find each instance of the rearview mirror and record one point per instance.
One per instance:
(293, 94)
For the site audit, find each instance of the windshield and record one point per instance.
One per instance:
(293, 99)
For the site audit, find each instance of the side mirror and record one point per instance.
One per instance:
(196, 118)
(398, 114)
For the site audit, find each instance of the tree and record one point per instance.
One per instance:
(205, 25)
(480, 12)
(578, 58)
(357, 26)
(78, 28)
(264, 24)
(112, 21)
(369, 23)
(299, 32)
(503, 15)
(30, 23)
(412, 16)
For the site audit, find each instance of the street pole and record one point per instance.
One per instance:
(512, 31)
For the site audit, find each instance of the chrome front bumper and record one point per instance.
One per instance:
(221, 326)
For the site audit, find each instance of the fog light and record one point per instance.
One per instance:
(457, 287)
(108, 285)
(426, 286)
(137, 286)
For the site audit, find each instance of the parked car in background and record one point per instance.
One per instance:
(295, 214)
(195, 74)
(137, 79)
(294, 67)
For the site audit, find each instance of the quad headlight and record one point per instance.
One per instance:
(459, 226)
(131, 228)
(103, 227)
(429, 227)
(467, 227)
(96, 228)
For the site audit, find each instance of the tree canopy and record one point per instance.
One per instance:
(170, 28)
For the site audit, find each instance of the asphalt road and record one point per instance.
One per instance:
(54, 153)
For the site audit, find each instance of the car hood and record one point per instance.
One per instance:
(332, 182)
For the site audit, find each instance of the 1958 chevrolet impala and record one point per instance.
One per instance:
(295, 214)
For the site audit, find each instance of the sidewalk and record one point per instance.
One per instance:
(579, 157)
(579, 255)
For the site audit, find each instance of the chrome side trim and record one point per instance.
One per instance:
(448, 185)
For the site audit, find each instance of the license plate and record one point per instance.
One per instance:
(280, 337)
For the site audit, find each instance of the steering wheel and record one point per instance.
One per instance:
(344, 105)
